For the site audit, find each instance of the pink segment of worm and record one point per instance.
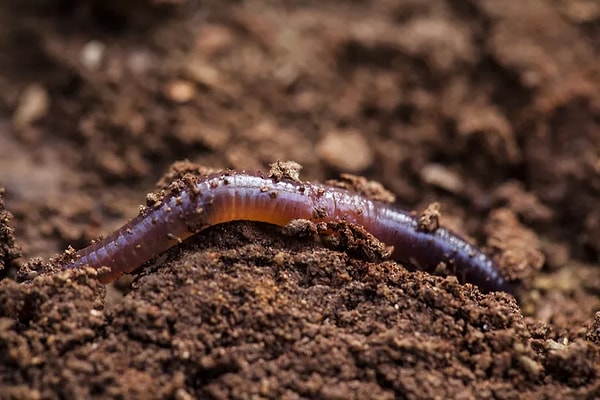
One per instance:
(235, 196)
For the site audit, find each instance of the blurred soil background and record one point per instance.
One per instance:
(491, 108)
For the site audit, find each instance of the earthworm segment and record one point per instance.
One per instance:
(231, 196)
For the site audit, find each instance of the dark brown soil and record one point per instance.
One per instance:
(489, 108)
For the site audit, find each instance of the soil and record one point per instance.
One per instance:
(489, 109)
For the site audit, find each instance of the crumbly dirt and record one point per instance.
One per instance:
(9, 251)
(489, 108)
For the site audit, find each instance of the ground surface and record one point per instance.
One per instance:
(490, 108)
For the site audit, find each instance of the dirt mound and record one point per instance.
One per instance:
(491, 109)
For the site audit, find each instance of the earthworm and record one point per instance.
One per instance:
(231, 196)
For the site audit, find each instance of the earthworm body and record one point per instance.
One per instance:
(232, 196)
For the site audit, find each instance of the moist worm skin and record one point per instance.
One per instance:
(232, 196)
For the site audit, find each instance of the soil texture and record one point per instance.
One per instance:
(484, 114)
